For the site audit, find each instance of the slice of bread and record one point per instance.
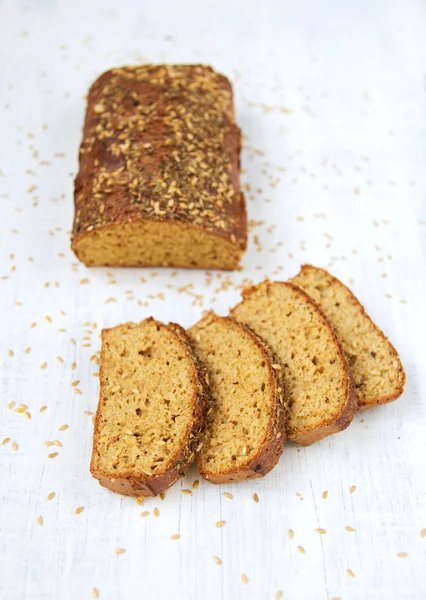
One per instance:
(317, 380)
(375, 365)
(245, 430)
(152, 408)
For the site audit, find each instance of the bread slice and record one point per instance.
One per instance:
(318, 384)
(152, 408)
(159, 171)
(375, 365)
(245, 431)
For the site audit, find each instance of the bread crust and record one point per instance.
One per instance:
(354, 300)
(306, 436)
(130, 196)
(273, 441)
(129, 484)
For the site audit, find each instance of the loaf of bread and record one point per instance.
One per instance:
(158, 181)
(319, 387)
(375, 365)
(152, 408)
(245, 430)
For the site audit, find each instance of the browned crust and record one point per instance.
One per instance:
(273, 442)
(129, 484)
(354, 300)
(117, 207)
(308, 435)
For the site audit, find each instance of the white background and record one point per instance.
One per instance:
(331, 97)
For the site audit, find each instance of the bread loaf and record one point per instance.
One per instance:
(152, 408)
(158, 181)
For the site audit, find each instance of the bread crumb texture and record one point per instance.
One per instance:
(377, 370)
(245, 429)
(158, 183)
(151, 409)
(317, 382)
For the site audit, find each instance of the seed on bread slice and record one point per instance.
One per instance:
(317, 380)
(152, 408)
(245, 431)
(377, 370)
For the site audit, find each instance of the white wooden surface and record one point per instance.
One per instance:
(331, 97)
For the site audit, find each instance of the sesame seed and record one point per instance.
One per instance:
(278, 595)
(244, 578)
(291, 534)
(79, 510)
(77, 391)
(6, 440)
(49, 319)
(28, 415)
(325, 494)
(11, 353)
(423, 533)
(187, 492)
(60, 359)
(76, 382)
(156, 512)
(352, 489)
(52, 455)
(51, 496)
(162, 495)
(63, 427)
(321, 531)
(217, 560)
(402, 554)
(349, 528)
(228, 495)
(145, 513)
(350, 573)
(121, 551)
(11, 405)
(195, 484)
(40, 520)
(175, 536)
(255, 497)
(15, 446)
(27, 350)
(301, 549)
(42, 408)
(73, 366)
(220, 523)
(43, 366)
(95, 593)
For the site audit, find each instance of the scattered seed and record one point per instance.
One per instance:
(49, 319)
(11, 353)
(279, 595)
(79, 510)
(43, 408)
(349, 528)
(145, 513)
(139, 500)
(28, 415)
(162, 495)
(301, 549)
(77, 391)
(402, 554)
(63, 427)
(95, 593)
(325, 494)
(51, 496)
(33, 325)
(6, 440)
(44, 365)
(156, 512)
(76, 382)
(175, 536)
(52, 455)
(255, 497)
(228, 495)
(121, 551)
(423, 533)
(11, 405)
(291, 534)
(321, 531)
(73, 366)
(27, 350)
(217, 560)
(15, 446)
(187, 492)
(195, 484)
(352, 489)
(244, 578)
(350, 573)
(220, 523)
(40, 520)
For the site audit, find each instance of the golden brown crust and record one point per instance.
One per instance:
(129, 484)
(273, 442)
(354, 300)
(160, 143)
(309, 435)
